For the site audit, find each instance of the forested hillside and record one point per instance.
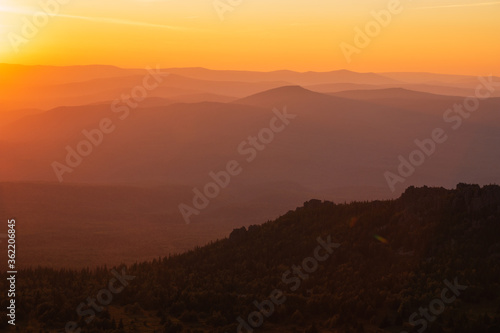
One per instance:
(386, 260)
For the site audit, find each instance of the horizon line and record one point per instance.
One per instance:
(254, 71)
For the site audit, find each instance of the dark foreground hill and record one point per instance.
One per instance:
(431, 257)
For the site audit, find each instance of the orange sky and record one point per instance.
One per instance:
(460, 37)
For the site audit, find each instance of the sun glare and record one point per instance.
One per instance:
(4, 8)
(4, 44)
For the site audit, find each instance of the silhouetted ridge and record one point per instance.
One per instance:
(284, 91)
(387, 93)
(288, 95)
(394, 257)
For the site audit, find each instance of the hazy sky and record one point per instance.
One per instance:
(459, 36)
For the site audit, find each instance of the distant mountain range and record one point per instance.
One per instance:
(339, 139)
(348, 131)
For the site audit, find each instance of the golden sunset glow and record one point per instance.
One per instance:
(459, 37)
(250, 165)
